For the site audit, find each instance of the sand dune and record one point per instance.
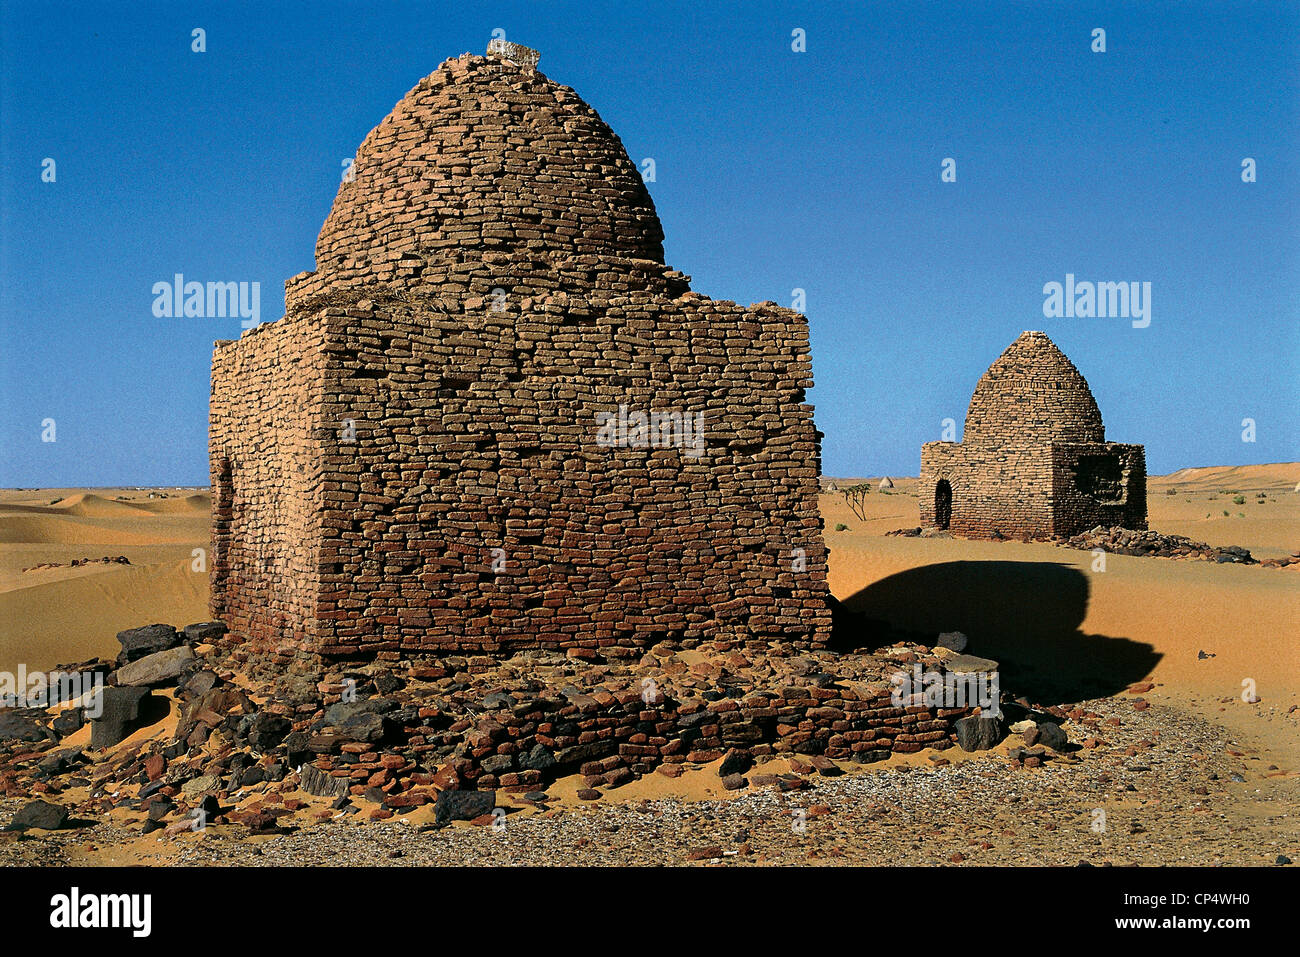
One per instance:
(75, 619)
(97, 520)
(99, 532)
(63, 614)
(1281, 476)
(90, 505)
(198, 504)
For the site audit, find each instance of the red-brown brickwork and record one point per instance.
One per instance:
(1034, 461)
(413, 460)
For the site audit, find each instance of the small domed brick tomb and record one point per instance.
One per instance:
(1034, 461)
(493, 419)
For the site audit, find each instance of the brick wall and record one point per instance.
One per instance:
(266, 471)
(996, 492)
(1098, 484)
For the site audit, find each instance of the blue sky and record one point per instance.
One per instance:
(775, 170)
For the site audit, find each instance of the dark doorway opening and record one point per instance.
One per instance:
(943, 504)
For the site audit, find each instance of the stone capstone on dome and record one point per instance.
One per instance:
(526, 57)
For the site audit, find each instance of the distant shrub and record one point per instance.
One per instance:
(1171, 491)
(841, 527)
(1225, 513)
(1239, 500)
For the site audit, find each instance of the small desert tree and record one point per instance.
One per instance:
(856, 496)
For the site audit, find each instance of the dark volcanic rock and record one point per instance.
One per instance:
(825, 766)
(268, 730)
(369, 728)
(61, 762)
(498, 699)
(387, 684)
(497, 763)
(978, 733)
(68, 721)
(1147, 542)
(14, 727)
(539, 758)
(204, 631)
(139, 642)
(338, 714)
(735, 761)
(42, 814)
(581, 753)
(1051, 735)
(463, 805)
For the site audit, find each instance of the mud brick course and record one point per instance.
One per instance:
(407, 462)
(1034, 461)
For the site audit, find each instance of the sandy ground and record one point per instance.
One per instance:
(1063, 628)
(52, 616)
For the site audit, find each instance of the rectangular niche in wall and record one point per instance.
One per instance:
(1102, 478)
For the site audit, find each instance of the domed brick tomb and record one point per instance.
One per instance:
(1034, 461)
(493, 419)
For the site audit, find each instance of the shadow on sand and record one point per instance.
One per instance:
(1025, 615)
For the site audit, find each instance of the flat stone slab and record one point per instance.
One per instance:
(970, 664)
(156, 668)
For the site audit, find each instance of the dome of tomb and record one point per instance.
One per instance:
(1032, 393)
(487, 155)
